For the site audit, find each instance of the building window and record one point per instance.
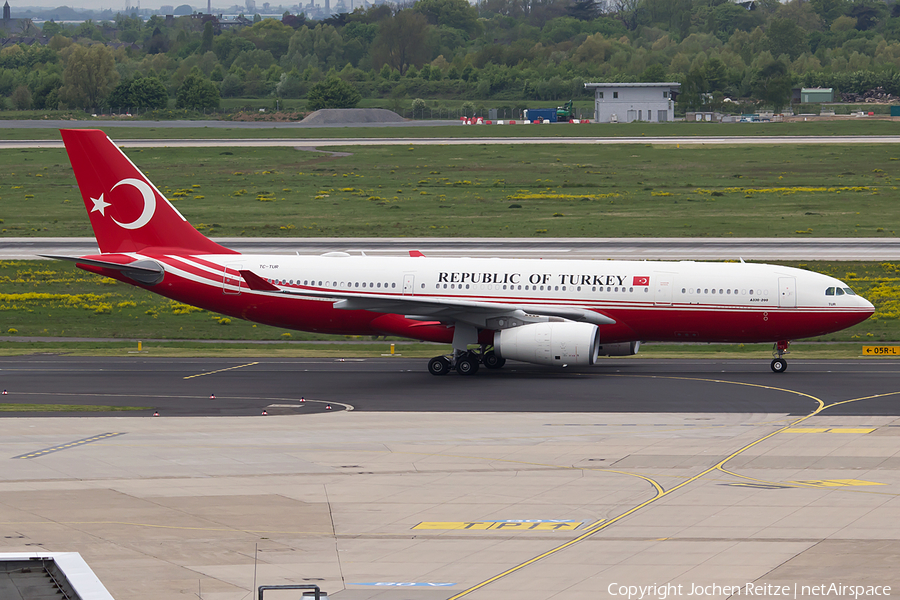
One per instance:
(665, 94)
(615, 94)
(600, 95)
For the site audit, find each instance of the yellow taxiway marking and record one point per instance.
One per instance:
(60, 447)
(221, 370)
(830, 430)
(498, 525)
(660, 494)
(836, 482)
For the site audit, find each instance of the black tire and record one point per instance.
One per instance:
(779, 365)
(492, 361)
(438, 366)
(466, 365)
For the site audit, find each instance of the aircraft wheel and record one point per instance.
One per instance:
(492, 361)
(779, 365)
(466, 365)
(438, 366)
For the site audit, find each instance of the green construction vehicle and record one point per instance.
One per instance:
(564, 113)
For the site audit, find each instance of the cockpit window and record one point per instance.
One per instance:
(849, 292)
(839, 292)
(829, 291)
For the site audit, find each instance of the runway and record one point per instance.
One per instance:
(526, 483)
(868, 249)
(466, 141)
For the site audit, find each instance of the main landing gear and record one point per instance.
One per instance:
(465, 362)
(779, 364)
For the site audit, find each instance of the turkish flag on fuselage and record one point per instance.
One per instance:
(641, 281)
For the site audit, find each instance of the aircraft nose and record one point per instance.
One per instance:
(866, 304)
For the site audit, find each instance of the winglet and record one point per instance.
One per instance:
(257, 283)
(416, 254)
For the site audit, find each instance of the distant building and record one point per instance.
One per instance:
(627, 102)
(816, 95)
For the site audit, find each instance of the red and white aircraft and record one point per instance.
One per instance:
(549, 312)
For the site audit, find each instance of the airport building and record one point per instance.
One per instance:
(627, 102)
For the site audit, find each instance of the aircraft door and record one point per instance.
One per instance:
(663, 287)
(409, 284)
(787, 292)
(231, 280)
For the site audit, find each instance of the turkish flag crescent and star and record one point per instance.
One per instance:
(641, 281)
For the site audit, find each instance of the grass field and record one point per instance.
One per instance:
(48, 298)
(487, 191)
(561, 130)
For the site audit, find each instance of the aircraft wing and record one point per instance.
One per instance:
(435, 309)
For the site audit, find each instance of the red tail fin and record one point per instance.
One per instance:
(127, 212)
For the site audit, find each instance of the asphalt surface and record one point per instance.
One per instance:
(552, 248)
(111, 123)
(211, 387)
(467, 141)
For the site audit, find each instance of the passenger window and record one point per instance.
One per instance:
(706, 291)
(729, 291)
(304, 282)
(393, 285)
(839, 291)
(751, 292)
(714, 291)
(682, 290)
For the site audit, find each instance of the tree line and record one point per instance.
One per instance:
(499, 50)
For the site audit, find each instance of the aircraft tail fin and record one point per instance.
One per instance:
(127, 212)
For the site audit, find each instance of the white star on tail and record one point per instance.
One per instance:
(99, 204)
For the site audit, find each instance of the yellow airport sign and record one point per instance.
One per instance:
(881, 350)
(500, 525)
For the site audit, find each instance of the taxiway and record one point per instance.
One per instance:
(527, 483)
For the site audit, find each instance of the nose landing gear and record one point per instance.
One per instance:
(779, 364)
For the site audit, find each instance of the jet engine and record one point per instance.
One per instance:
(620, 349)
(557, 343)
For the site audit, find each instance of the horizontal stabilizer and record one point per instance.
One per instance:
(149, 272)
(257, 283)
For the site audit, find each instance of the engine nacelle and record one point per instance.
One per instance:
(558, 344)
(620, 349)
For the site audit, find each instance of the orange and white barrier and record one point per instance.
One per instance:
(483, 121)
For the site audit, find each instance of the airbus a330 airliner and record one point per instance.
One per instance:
(548, 312)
